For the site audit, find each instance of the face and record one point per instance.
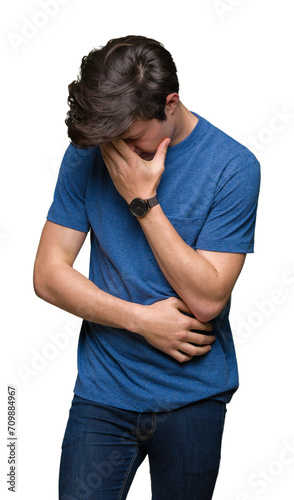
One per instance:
(144, 137)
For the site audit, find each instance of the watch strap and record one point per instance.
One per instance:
(139, 207)
(152, 202)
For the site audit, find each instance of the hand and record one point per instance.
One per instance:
(165, 327)
(132, 176)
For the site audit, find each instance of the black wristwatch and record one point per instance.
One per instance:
(139, 207)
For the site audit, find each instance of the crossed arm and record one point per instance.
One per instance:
(203, 280)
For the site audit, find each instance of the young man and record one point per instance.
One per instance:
(171, 203)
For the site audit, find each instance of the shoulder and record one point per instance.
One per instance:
(76, 167)
(225, 145)
(78, 159)
(229, 156)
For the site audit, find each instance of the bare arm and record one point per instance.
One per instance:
(57, 282)
(204, 280)
(162, 324)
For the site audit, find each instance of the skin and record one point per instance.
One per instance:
(203, 280)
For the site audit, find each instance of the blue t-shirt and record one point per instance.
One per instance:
(209, 192)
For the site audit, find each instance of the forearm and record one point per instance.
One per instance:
(162, 324)
(193, 277)
(66, 288)
(203, 279)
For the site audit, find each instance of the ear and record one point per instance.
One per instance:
(172, 102)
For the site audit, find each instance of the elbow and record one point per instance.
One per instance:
(39, 283)
(209, 310)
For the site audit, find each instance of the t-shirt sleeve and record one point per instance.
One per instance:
(230, 224)
(69, 202)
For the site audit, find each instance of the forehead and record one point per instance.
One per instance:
(138, 127)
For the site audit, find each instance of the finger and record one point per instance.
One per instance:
(111, 158)
(196, 325)
(124, 149)
(106, 147)
(181, 306)
(192, 350)
(105, 152)
(180, 356)
(162, 150)
(200, 339)
(110, 152)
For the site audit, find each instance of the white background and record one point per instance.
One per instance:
(235, 65)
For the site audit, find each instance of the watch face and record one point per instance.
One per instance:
(138, 207)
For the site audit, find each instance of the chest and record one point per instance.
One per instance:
(185, 193)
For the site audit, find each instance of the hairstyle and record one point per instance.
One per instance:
(127, 79)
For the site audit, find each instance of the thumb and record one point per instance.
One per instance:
(162, 149)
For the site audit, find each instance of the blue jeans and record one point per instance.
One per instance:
(103, 447)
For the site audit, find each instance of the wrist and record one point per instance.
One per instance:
(139, 206)
(135, 318)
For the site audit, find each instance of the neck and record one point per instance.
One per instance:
(185, 122)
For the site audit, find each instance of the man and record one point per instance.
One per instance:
(171, 203)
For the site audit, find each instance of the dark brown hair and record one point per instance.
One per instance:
(127, 79)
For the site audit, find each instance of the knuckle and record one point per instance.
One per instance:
(188, 322)
(200, 327)
(197, 351)
(202, 339)
(203, 326)
(174, 345)
(181, 336)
